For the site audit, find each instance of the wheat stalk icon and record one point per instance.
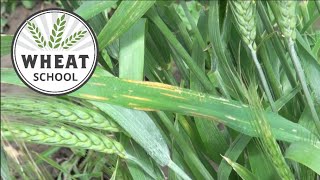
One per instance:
(55, 38)
(36, 34)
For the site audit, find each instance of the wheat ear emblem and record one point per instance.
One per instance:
(71, 40)
(55, 38)
(36, 34)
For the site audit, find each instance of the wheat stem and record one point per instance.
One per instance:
(244, 13)
(285, 13)
(263, 80)
(179, 171)
(302, 79)
(141, 164)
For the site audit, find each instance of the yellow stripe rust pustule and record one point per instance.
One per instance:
(136, 98)
(93, 97)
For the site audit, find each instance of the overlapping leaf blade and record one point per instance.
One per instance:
(152, 96)
(124, 17)
(306, 154)
(89, 9)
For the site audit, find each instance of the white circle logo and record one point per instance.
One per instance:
(54, 52)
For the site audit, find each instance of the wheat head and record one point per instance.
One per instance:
(50, 109)
(287, 18)
(245, 16)
(64, 137)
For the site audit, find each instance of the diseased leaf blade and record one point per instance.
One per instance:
(151, 96)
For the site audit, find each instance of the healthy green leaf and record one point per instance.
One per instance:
(260, 163)
(124, 17)
(310, 63)
(6, 42)
(306, 154)
(52, 163)
(153, 15)
(286, 98)
(234, 151)
(89, 9)
(131, 57)
(148, 137)
(243, 172)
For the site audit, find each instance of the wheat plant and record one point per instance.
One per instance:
(182, 90)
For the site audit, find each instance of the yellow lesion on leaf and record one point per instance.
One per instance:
(154, 85)
(94, 97)
(96, 84)
(219, 99)
(132, 104)
(202, 115)
(136, 98)
(188, 108)
(136, 107)
(230, 117)
(174, 96)
(144, 109)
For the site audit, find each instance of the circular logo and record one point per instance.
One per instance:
(54, 52)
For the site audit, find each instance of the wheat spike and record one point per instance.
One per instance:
(273, 149)
(287, 18)
(51, 109)
(268, 142)
(284, 12)
(65, 137)
(245, 16)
